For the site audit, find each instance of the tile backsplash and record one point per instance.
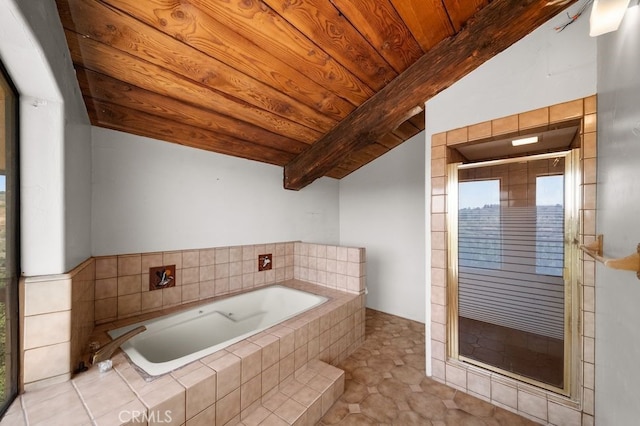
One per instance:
(122, 281)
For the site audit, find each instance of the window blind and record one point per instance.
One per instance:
(510, 264)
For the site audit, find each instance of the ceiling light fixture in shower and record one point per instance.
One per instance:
(524, 141)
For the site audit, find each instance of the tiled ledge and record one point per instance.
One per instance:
(225, 387)
(57, 319)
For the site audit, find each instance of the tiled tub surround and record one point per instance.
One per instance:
(273, 376)
(172, 341)
(57, 318)
(122, 282)
(58, 312)
(529, 401)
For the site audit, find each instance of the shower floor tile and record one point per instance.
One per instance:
(386, 383)
(531, 355)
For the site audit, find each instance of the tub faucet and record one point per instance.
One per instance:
(105, 352)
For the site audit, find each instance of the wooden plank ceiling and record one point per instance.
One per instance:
(319, 87)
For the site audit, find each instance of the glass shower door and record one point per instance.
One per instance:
(510, 267)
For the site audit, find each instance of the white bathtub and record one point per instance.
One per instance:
(174, 340)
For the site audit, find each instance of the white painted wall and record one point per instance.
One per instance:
(54, 139)
(618, 292)
(382, 209)
(542, 69)
(152, 196)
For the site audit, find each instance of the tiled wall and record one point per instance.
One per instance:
(82, 309)
(122, 282)
(57, 320)
(342, 268)
(539, 405)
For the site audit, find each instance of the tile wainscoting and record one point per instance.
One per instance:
(122, 282)
(60, 311)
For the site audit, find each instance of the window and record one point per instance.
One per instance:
(479, 224)
(550, 225)
(8, 244)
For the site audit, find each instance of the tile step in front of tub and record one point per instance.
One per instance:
(300, 400)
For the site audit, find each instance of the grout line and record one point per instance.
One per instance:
(23, 408)
(84, 404)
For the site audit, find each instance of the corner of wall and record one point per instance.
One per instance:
(57, 318)
(54, 159)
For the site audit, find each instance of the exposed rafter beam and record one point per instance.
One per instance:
(489, 32)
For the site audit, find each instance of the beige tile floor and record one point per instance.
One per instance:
(386, 384)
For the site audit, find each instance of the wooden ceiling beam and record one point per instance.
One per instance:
(489, 32)
(418, 120)
(356, 161)
(406, 130)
